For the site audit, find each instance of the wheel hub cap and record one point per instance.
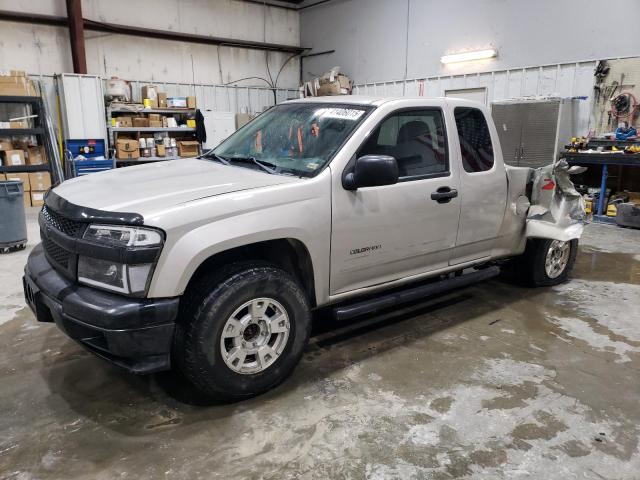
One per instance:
(557, 258)
(255, 335)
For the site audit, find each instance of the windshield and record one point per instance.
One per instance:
(295, 138)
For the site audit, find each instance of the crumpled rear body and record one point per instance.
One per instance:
(557, 210)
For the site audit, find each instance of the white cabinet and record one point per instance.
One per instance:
(533, 132)
(82, 102)
(219, 126)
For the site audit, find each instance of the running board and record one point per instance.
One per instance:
(411, 294)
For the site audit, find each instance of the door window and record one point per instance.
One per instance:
(475, 139)
(416, 139)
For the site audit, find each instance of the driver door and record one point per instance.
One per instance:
(385, 233)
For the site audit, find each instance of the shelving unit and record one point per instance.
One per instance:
(138, 110)
(152, 129)
(604, 160)
(34, 107)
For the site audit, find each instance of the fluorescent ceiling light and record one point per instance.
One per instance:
(469, 56)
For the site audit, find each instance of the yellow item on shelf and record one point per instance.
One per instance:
(588, 206)
(611, 210)
(191, 123)
(632, 149)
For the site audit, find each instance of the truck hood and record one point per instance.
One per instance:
(149, 189)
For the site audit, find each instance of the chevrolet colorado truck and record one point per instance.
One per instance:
(213, 265)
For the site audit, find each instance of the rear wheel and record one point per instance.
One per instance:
(547, 262)
(242, 331)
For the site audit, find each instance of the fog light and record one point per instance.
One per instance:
(114, 276)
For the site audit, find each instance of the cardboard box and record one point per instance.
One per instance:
(242, 119)
(161, 150)
(155, 117)
(124, 121)
(18, 85)
(5, 144)
(188, 148)
(37, 198)
(191, 102)
(127, 148)
(341, 85)
(18, 124)
(150, 92)
(36, 156)
(26, 198)
(40, 181)
(177, 102)
(162, 100)
(22, 142)
(20, 177)
(331, 83)
(155, 123)
(140, 121)
(13, 158)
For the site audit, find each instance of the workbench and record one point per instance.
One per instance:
(605, 160)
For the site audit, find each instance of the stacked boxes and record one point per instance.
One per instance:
(18, 152)
(17, 83)
(35, 185)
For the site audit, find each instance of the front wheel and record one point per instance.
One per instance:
(243, 331)
(548, 262)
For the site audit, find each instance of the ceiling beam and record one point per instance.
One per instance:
(92, 25)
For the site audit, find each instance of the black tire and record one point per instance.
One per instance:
(205, 309)
(531, 265)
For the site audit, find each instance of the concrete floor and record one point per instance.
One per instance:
(494, 381)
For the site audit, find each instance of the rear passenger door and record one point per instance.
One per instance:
(380, 234)
(483, 185)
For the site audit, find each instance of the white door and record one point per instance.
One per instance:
(381, 234)
(474, 94)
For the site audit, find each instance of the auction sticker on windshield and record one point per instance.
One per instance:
(345, 113)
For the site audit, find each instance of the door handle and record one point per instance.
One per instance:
(444, 194)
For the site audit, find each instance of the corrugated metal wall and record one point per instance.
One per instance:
(561, 80)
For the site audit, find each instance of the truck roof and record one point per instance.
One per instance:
(377, 101)
(347, 99)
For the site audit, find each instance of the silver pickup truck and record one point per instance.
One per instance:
(214, 265)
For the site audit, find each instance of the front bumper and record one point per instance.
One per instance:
(135, 333)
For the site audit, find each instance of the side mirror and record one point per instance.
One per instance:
(371, 171)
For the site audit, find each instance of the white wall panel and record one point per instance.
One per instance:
(563, 80)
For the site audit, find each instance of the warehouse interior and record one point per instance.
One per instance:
(111, 101)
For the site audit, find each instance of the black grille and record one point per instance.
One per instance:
(56, 253)
(63, 224)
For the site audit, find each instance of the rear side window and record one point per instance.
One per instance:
(416, 139)
(475, 139)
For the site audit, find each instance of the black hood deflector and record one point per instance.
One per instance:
(89, 215)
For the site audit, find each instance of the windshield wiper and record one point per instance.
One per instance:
(215, 156)
(266, 166)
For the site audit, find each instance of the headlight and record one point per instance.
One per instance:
(129, 279)
(123, 236)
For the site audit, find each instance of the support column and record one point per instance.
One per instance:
(76, 35)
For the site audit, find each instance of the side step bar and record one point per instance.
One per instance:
(412, 294)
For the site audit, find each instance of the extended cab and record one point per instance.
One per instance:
(214, 264)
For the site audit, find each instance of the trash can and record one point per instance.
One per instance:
(13, 223)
